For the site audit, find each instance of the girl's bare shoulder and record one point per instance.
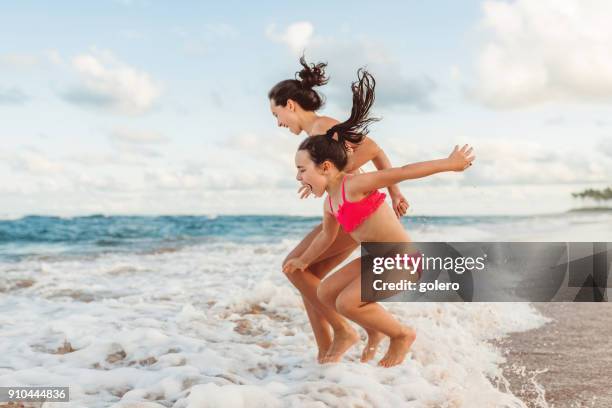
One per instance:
(367, 145)
(322, 125)
(370, 143)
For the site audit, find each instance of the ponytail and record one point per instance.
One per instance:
(355, 127)
(312, 75)
(325, 147)
(301, 90)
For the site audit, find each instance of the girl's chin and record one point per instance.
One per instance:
(320, 193)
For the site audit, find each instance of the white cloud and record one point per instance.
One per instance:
(107, 82)
(545, 50)
(517, 162)
(296, 36)
(200, 177)
(35, 163)
(345, 56)
(246, 162)
(19, 60)
(27, 60)
(278, 148)
(105, 159)
(241, 176)
(54, 57)
(605, 146)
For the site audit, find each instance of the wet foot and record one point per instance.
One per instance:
(322, 353)
(369, 351)
(343, 340)
(398, 348)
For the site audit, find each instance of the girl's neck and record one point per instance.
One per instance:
(307, 121)
(335, 182)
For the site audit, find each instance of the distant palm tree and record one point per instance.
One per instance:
(597, 195)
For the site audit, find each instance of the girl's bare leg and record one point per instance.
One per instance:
(371, 347)
(323, 319)
(321, 327)
(328, 291)
(373, 315)
(346, 285)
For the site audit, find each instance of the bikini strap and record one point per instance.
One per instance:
(343, 194)
(331, 208)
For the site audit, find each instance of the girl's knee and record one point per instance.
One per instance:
(346, 306)
(288, 257)
(296, 278)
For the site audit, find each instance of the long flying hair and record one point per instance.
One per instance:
(332, 145)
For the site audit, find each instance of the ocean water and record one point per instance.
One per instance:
(194, 312)
(41, 236)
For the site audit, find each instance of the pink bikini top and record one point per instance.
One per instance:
(351, 214)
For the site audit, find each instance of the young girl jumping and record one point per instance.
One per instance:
(355, 203)
(294, 103)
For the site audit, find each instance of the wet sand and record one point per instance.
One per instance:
(565, 363)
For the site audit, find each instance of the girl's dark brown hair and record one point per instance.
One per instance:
(300, 90)
(332, 145)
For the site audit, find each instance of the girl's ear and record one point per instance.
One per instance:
(290, 105)
(326, 166)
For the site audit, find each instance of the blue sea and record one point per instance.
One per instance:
(98, 234)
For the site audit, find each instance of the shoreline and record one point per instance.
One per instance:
(565, 363)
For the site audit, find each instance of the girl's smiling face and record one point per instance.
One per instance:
(286, 116)
(311, 174)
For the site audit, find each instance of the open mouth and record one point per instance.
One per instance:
(307, 185)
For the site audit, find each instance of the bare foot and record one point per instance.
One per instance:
(369, 351)
(322, 353)
(343, 340)
(398, 348)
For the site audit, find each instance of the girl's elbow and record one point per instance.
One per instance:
(379, 157)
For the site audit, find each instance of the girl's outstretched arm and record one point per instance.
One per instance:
(458, 160)
(319, 244)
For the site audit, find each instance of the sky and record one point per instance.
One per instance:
(152, 107)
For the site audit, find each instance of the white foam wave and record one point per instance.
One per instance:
(218, 325)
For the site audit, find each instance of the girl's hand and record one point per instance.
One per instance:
(460, 159)
(304, 191)
(400, 204)
(293, 265)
